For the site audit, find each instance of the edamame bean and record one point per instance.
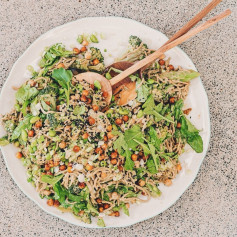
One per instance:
(34, 119)
(24, 135)
(52, 133)
(94, 39)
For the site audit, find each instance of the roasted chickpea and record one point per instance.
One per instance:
(89, 167)
(103, 175)
(89, 101)
(96, 61)
(134, 157)
(109, 128)
(46, 167)
(91, 120)
(178, 167)
(101, 209)
(50, 202)
(110, 135)
(19, 155)
(118, 121)
(125, 118)
(62, 145)
(81, 185)
(105, 138)
(161, 62)
(83, 49)
(168, 182)
(60, 65)
(171, 67)
(104, 146)
(141, 182)
(120, 167)
(85, 92)
(98, 200)
(32, 83)
(56, 163)
(62, 167)
(92, 86)
(85, 43)
(95, 107)
(83, 98)
(106, 206)
(114, 161)
(58, 107)
(101, 157)
(85, 135)
(98, 150)
(38, 124)
(76, 51)
(69, 169)
(114, 154)
(179, 125)
(76, 148)
(56, 203)
(172, 100)
(31, 133)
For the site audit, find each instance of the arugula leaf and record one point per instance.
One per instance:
(26, 93)
(33, 108)
(151, 166)
(24, 124)
(4, 141)
(101, 222)
(155, 192)
(51, 179)
(178, 109)
(154, 138)
(150, 109)
(143, 92)
(125, 209)
(122, 147)
(131, 134)
(144, 147)
(191, 134)
(24, 107)
(52, 54)
(63, 77)
(154, 156)
(60, 192)
(182, 75)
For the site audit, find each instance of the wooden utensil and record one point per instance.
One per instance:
(91, 77)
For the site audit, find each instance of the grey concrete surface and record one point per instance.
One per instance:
(209, 206)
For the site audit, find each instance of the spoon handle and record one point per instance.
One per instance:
(152, 57)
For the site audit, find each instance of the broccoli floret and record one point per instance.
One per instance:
(81, 64)
(134, 41)
(100, 67)
(96, 53)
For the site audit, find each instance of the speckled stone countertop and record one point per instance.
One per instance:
(209, 206)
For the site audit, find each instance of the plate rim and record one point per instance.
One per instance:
(195, 173)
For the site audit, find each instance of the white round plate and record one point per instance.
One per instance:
(116, 32)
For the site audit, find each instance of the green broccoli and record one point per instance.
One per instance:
(134, 41)
(96, 53)
(81, 64)
(99, 68)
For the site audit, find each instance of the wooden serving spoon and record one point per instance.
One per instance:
(107, 85)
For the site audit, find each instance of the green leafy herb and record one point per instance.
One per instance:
(191, 134)
(26, 93)
(154, 138)
(125, 209)
(101, 222)
(24, 124)
(143, 91)
(182, 75)
(154, 155)
(131, 134)
(51, 179)
(63, 77)
(155, 192)
(4, 141)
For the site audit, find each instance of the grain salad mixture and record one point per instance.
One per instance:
(90, 158)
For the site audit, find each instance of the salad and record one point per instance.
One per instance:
(90, 158)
